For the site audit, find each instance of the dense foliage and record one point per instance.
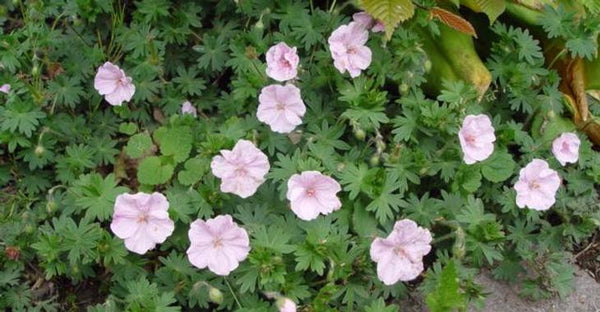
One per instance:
(388, 136)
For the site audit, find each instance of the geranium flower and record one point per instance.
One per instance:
(282, 62)
(347, 45)
(566, 148)
(242, 169)
(218, 243)
(142, 220)
(537, 186)
(286, 305)
(112, 82)
(366, 20)
(476, 138)
(399, 256)
(188, 108)
(281, 107)
(311, 193)
(5, 88)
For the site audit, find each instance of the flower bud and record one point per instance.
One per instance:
(427, 66)
(39, 150)
(374, 161)
(35, 70)
(51, 206)
(459, 244)
(259, 24)
(359, 134)
(215, 295)
(12, 253)
(403, 88)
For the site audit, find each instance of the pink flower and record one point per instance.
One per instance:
(281, 107)
(379, 27)
(566, 148)
(476, 138)
(5, 88)
(188, 108)
(218, 243)
(347, 45)
(399, 257)
(286, 305)
(111, 82)
(242, 169)
(537, 186)
(282, 62)
(311, 193)
(142, 220)
(365, 20)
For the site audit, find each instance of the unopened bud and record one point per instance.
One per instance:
(359, 134)
(427, 66)
(259, 24)
(374, 161)
(403, 88)
(51, 206)
(39, 150)
(35, 70)
(12, 253)
(215, 295)
(459, 244)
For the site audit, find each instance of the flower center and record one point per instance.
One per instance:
(351, 50)
(240, 172)
(534, 185)
(217, 242)
(142, 218)
(399, 251)
(310, 192)
(470, 138)
(280, 107)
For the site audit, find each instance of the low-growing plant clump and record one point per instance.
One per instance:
(162, 155)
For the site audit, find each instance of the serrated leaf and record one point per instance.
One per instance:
(390, 12)
(491, 8)
(498, 167)
(138, 145)
(175, 141)
(152, 171)
(453, 20)
(447, 295)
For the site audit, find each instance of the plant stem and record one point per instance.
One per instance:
(233, 293)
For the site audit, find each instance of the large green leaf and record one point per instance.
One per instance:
(390, 12)
(491, 8)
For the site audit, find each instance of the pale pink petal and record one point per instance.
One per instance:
(5, 88)
(282, 62)
(280, 107)
(312, 193)
(347, 46)
(188, 108)
(566, 148)
(399, 257)
(242, 169)
(537, 186)
(219, 244)
(476, 138)
(141, 220)
(112, 82)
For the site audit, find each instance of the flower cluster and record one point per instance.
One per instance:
(537, 184)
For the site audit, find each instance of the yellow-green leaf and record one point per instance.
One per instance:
(390, 12)
(491, 8)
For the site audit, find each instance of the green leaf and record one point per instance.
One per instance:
(18, 116)
(380, 306)
(152, 171)
(195, 168)
(447, 295)
(175, 141)
(498, 167)
(138, 145)
(491, 8)
(128, 128)
(390, 12)
(363, 223)
(469, 179)
(96, 196)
